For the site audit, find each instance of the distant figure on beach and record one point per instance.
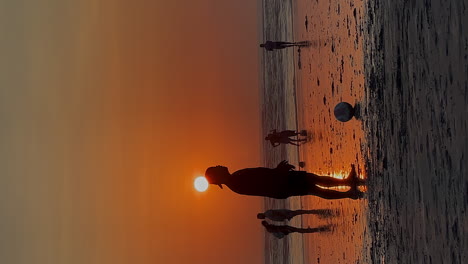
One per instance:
(285, 214)
(281, 231)
(283, 182)
(283, 137)
(275, 45)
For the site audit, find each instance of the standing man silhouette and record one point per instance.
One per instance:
(283, 182)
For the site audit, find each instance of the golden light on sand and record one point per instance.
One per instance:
(342, 175)
(200, 184)
(339, 175)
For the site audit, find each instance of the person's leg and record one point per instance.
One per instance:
(289, 133)
(292, 143)
(293, 229)
(314, 211)
(326, 181)
(305, 183)
(287, 45)
(294, 213)
(299, 140)
(353, 193)
(321, 213)
(282, 44)
(302, 43)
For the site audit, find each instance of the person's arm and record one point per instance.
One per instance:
(285, 166)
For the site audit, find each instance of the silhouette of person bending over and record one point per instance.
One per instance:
(281, 231)
(275, 45)
(282, 182)
(278, 138)
(285, 214)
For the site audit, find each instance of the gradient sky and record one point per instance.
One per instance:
(109, 110)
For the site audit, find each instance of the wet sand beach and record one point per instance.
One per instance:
(332, 71)
(406, 65)
(416, 123)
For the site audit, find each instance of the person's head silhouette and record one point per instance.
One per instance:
(260, 216)
(217, 175)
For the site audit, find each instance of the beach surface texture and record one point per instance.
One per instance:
(405, 66)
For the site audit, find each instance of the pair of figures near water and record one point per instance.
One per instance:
(284, 137)
(280, 231)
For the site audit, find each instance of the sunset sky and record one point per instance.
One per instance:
(108, 111)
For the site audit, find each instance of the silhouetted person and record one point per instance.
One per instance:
(282, 182)
(285, 214)
(274, 45)
(281, 231)
(283, 137)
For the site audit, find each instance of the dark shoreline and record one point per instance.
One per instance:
(415, 118)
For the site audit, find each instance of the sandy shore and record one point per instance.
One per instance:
(406, 65)
(331, 71)
(416, 123)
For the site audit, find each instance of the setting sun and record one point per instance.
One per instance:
(201, 184)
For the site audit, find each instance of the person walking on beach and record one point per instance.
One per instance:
(283, 137)
(283, 182)
(285, 214)
(275, 45)
(281, 231)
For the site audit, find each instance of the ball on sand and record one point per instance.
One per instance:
(343, 112)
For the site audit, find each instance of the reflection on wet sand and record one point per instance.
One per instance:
(413, 111)
(333, 73)
(302, 95)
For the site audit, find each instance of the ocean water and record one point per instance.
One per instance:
(406, 66)
(279, 112)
